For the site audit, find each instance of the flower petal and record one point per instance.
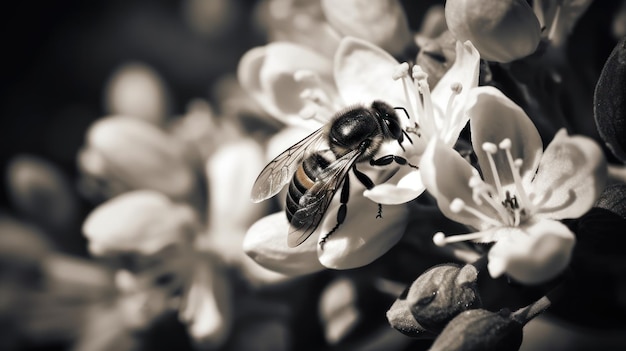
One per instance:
(534, 253)
(383, 23)
(266, 243)
(464, 71)
(362, 237)
(364, 73)
(446, 176)
(571, 176)
(208, 306)
(230, 178)
(397, 191)
(267, 73)
(135, 154)
(141, 221)
(493, 118)
(405, 183)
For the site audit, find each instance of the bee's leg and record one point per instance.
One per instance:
(367, 182)
(363, 178)
(342, 212)
(388, 159)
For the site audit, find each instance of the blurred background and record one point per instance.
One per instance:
(59, 61)
(59, 56)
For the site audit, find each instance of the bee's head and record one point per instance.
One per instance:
(388, 120)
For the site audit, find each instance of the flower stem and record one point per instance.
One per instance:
(526, 314)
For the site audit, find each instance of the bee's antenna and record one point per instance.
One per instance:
(403, 109)
(407, 136)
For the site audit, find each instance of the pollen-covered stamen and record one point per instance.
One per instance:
(305, 75)
(481, 192)
(425, 102)
(457, 205)
(490, 149)
(450, 119)
(308, 112)
(515, 166)
(401, 72)
(315, 91)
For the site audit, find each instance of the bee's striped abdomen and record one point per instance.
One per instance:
(303, 179)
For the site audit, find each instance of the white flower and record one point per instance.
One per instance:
(361, 74)
(523, 190)
(365, 73)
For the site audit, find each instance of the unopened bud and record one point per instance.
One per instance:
(501, 30)
(480, 330)
(400, 318)
(136, 90)
(42, 192)
(441, 293)
(610, 101)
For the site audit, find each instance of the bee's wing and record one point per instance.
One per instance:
(278, 172)
(315, 202)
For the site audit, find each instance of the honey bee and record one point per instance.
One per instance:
(316, 173)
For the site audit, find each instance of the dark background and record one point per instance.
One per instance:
(58, 55)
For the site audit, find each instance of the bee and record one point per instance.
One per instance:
(316, 173)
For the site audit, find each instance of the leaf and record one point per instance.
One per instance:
(610, 101)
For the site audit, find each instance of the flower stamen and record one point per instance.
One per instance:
(490, 149)
(515, 166)
(440, 239)
(402, 72)
(480, 192)
(424, 101)
(305, 75)
(457, 205)
(317, 93)
(449, 119)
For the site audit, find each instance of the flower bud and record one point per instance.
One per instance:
(136, 90)
(42, 193)
(501, 30)
(436, 55)
(141, 222)
(380, 22)
(480, 330)
(23, 250)
(441, 293)
(134, 154)
(400, 318)
(613, 199)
